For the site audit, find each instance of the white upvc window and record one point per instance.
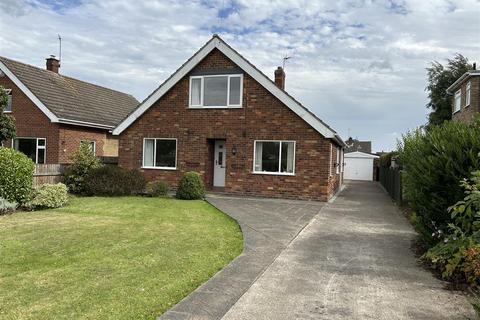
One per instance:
(8, 108)
(92, 144)
(467, 94)
(342, 159)
(160, 153)
(274, 157)
(34, 148)
(216, 91)
(337, 165)
(457, 101)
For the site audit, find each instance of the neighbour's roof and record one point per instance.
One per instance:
(456, 84)
(359, 154)
(357, 145)
(68, 100)
(217, 43)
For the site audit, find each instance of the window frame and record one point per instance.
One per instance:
(10, 100)
(278, 173)
(202, 91)
(458, 94)
(44, 147)
(468, 93)
(337, 169)
(94, 145)
(155, 154)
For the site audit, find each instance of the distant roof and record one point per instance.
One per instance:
(359, 154)
(217, 43)
(464, 76)
(68, 100)
(357, 145)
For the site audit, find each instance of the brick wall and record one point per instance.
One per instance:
(467, 113)
(71, 136)
(263, 117)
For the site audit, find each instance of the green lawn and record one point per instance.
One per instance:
(110, 258)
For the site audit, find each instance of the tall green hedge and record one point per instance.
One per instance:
(434, 162)
(16, 175)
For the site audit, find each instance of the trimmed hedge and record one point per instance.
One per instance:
(434, 162)
(191, 186)
(114, 181)
(16, 176)
(50, 196)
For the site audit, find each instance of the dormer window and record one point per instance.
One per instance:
(8, 108)
(216, 91)
(457, 101)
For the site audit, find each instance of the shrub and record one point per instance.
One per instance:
(50, 196)
(434, 161)
(114, 181)
(16, 175)
(7, 206)
(191, 186)
(386, 159)
(157, 188)
(83, 162)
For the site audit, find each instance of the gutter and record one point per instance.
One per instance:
(85, 124)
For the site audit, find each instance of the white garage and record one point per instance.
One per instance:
(359, 166)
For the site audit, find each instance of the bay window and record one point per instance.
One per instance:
(160, 153)
(34, 148)
(216, 91)
(274, 157)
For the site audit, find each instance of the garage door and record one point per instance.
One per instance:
(358, 169)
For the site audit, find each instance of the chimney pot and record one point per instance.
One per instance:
(280, 78)
(53, 64)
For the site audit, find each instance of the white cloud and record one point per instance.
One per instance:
(359, 65)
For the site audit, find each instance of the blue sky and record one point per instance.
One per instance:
(358, 64)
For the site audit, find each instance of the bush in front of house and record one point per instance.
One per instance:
(84, 161)
(157, 188)
(16, 176)
(434, 162)
(191, 186)
(114, 181)
(49, 196)
(7, 206)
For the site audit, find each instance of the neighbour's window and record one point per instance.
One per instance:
(34, 148)
(458, 96)
(216, 91)
(467, 94)
(160, 153)
(274, 157)
(8, 108)
(91, 144)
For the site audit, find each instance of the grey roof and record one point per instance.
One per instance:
(357, 145)
(72, 99)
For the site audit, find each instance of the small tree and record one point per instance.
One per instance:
(7, 123)
(83, 162)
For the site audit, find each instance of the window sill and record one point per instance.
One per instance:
(456, 111)
(159, 168)
(232, 107)
(5, 111)
(274, 173)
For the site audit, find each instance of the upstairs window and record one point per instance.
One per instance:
(274, 157)
(457, 101)
(467, 94)
(8, 108)
(34, 148)
(218, 91)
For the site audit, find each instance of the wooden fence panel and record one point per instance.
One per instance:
(391, 180)
(47, 173)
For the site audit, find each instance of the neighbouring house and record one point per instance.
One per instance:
(222, 117)
(55, 113)
(357, 145)
(466, 96)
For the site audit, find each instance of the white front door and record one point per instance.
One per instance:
(219, 164)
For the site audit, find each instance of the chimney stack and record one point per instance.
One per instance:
(474, 66)
(280, 78)
(53, 64)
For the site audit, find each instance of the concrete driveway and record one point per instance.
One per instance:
(348, 259)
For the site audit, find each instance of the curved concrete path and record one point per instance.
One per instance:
(268, 227)
(353, 261)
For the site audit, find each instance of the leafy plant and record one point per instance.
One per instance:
(7, 122)
(466, 212)
(191, 186)
(157, 188)
(50, 196)
(84, 161)
(114, 181)
(16, 176)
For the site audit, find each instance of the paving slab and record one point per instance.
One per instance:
(268, 227)
(352, 261)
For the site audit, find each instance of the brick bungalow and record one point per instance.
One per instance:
(55, 113)
(220, 116)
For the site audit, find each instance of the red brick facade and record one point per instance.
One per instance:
(262, 117)
(466, 113)
(61, 140)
